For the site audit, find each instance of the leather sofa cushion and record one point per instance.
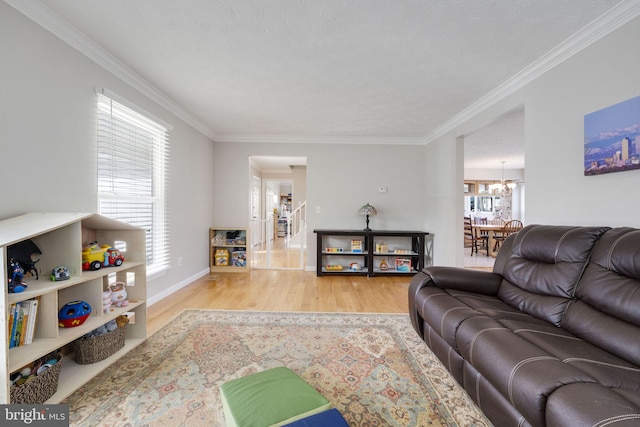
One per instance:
(544, 266)
(524, 373)
(602, 366)
(607, 307)
(445, 309)
(592, 405)
(529, 361)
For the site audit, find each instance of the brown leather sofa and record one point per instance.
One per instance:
(550, 337)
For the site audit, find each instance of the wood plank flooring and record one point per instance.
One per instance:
(285, 290)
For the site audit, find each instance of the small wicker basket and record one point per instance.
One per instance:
(39, 389)
(94, 349)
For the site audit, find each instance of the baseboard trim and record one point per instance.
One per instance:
(175, 288)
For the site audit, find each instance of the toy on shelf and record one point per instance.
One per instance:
(119, 294)
(119, 322)
(21, 252)
(218, 240)
(31, 371)
(106, 301)
(60, 273)
(221, 257)
(96, 256)
(16, 274)
(239, 258)
(403, 264)
(73, 314)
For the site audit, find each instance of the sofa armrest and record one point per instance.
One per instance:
(477, 281)
(464, 279)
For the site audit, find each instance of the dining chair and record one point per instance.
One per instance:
(481, 237)
(508, 229)
(469, 238)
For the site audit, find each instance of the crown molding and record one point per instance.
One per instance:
(46, 18)
(308, 139)
(611, 20)
(616, 17)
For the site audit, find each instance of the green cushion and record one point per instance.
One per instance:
(269, 398)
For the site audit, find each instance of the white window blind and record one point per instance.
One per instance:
(133, 172)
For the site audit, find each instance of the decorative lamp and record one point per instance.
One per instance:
(368, 210)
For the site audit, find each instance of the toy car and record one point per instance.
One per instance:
(60, 273)
(97, 256)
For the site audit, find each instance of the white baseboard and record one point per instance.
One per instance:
(154, 299)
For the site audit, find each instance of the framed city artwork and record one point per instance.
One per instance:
(612, 138)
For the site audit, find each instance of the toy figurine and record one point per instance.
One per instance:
(15, 280)
(119, 294)
(22, 253)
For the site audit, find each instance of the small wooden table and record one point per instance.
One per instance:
(490, 229)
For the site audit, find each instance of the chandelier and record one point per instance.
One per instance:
(504, 188)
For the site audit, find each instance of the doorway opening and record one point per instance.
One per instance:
(278, 212)
(493, 155)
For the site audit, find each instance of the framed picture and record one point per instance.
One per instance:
(612, 138)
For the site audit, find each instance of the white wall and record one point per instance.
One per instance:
(340, 179)
(443, 186)
(48, 140)
(557, 192)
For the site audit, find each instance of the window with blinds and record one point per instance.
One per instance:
(133, 172)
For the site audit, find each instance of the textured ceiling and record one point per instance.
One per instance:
(312, 70)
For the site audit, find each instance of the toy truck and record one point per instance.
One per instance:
(95, 256)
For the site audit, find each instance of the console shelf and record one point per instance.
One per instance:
(404, 252)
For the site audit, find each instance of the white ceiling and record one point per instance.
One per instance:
(307, 70)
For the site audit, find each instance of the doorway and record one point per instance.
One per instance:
(494, 154)
(278, 212)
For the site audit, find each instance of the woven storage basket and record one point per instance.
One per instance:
(39, 389)
(94, 349)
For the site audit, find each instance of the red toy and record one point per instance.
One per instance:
(73, 314)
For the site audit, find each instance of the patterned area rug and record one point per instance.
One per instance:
(372, 367)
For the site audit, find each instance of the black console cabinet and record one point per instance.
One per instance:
(406, 249)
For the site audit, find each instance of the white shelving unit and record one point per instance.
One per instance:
(61, 237)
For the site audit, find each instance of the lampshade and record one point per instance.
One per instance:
(368, 210)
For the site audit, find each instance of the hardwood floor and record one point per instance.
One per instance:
(292, 290)
(284, 290)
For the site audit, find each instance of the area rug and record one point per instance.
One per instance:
(372, 367)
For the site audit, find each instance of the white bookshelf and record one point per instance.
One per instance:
(61, 237)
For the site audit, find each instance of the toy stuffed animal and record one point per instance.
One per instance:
(119, 294)
(122, 320)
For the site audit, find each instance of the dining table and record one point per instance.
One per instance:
(491, 230)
